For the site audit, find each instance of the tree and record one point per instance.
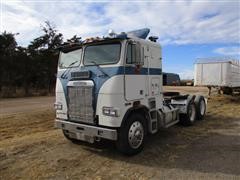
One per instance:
(31, 67)
(74, 39)
(8, 46)
(42, 51)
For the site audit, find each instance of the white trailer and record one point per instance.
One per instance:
(222, 73)
(111, 88)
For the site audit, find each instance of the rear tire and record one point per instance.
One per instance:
(227, 91)
(189, 118)
(131, 136)
(200, 107)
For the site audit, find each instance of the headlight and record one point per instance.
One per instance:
(58, 106)
(110, 111)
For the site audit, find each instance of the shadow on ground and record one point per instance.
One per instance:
(194, 148)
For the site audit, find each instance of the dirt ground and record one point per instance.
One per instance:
(31, 148)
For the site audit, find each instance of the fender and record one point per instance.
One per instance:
(190, 98)
(140, 109)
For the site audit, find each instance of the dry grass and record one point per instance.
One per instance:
(30, 148)
(22, 124)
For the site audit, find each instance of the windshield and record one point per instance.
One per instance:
(70, 59)
(102, 54)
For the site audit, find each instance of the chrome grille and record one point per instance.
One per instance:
(80, 103)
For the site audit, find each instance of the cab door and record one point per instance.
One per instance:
(135, 74)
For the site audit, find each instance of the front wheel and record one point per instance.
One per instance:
(131, 136)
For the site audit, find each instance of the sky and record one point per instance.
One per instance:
(187, 29)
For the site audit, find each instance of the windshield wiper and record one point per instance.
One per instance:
(64, 74)
(99, 68)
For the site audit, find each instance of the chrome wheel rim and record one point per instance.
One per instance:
(192, 112)
(135, 135)
(202, 107)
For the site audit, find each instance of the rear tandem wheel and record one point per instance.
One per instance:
(189, 118)
(200, 107)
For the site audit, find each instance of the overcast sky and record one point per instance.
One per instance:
(187, 29)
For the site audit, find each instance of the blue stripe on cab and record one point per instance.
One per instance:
(121, 70)
(111, 71)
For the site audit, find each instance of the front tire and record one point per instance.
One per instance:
(131, 135)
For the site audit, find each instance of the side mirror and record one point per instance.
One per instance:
(139, 57)
(134, 53)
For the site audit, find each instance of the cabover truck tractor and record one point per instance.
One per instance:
(111, 88)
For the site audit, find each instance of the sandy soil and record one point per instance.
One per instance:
(30, 147)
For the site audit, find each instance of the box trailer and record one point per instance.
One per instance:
(218, 72)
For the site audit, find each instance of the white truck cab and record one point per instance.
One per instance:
(111, 88)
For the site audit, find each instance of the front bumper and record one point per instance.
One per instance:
(84, 132)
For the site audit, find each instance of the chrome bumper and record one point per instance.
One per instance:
(82, 131)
